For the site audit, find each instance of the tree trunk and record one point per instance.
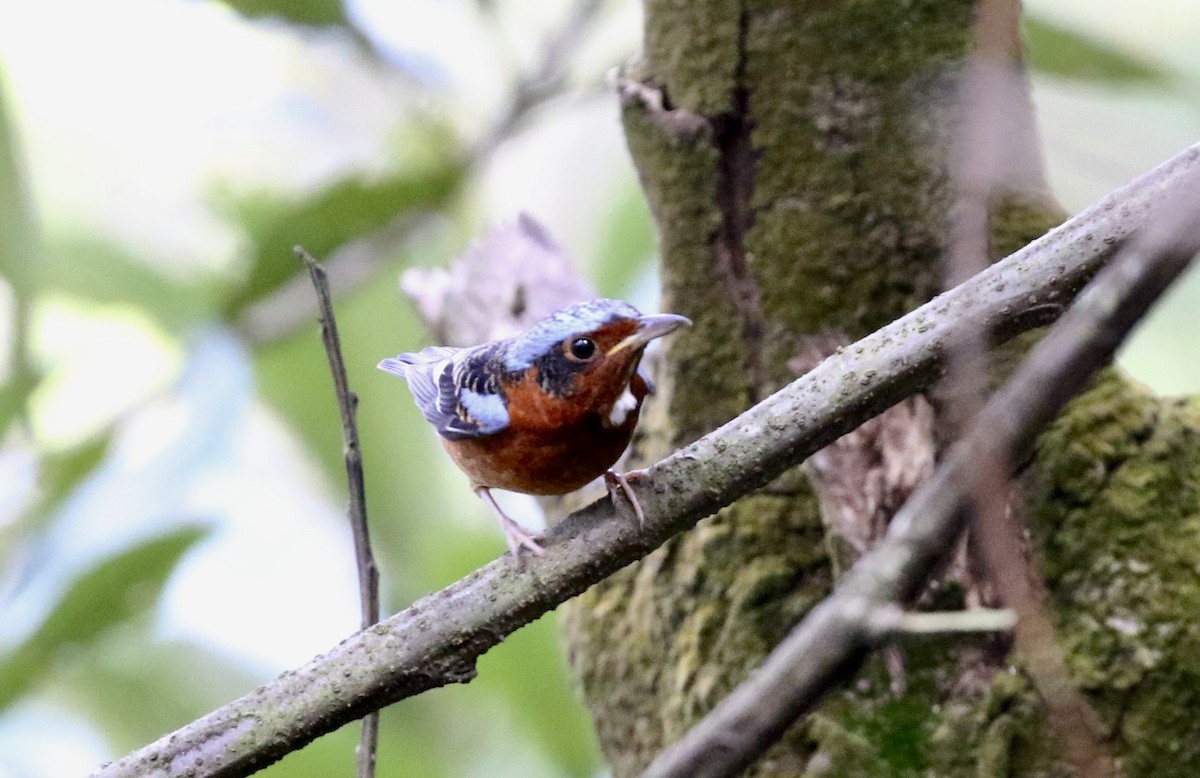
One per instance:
(796, 157)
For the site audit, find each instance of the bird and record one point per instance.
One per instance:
(545, 411)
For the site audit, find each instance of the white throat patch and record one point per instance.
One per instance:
(621, 409)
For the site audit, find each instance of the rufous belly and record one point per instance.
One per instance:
(543, 461)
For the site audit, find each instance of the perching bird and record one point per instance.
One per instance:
(543, 412)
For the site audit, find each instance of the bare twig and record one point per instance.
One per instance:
(437, 640)
(891, 621)
(368, 574)
(836, 636)
(547, 78)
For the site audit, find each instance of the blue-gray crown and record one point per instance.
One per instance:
(575, 319)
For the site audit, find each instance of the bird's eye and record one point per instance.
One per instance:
(583, 349)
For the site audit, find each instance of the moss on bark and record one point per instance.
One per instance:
(793, 155)
(1116, 497)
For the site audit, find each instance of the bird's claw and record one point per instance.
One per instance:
(514, 534)
(518, 536)
(618, 482)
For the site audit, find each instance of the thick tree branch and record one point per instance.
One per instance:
(437, 640)
(834, 639)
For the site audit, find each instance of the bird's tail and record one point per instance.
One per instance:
(399, 364)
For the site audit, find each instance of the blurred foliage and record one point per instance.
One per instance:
(399, 473)
(135, 687)
(313, 13)
(97, 651)
(329, 218)
(529, 666)
(627, 238)
(18, 263)
(61, 474)
(18, 235)
(1071, 53)
(93, 268)
(120, 588)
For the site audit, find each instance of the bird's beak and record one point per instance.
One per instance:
(649, 328)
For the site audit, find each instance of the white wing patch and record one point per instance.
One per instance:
(488, 411)
(621, 409)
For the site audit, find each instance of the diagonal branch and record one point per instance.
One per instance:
(834, 639)
(437, 640)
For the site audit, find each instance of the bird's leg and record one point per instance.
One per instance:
(514, 533)
(618, 482)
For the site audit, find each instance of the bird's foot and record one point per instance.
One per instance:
(619, 483)
(514, 534)
(518, 536)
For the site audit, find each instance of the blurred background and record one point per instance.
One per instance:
(171, 485)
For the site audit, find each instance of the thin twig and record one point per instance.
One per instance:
(356, 511)
(836, 636)
(891, 621)
(546, 79)
(437, 640)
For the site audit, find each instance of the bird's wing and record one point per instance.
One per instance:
(419, 370)
(457, 390)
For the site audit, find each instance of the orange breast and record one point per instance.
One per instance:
(551, 446)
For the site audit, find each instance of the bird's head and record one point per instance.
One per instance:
(591, 348)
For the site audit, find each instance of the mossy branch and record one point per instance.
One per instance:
(437, 640)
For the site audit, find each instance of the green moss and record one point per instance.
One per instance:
(805, 191)
(840, 753)
(849, 199)
(1116, 500)
(693, 49)
(1020, 219)
(936, 726)
(708, 359)
(692, 620)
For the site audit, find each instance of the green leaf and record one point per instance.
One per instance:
(349, 209)
(14, 394)
(18, 234)
(529, 666)
(627, 239)
(314, 13)
(1070, 53)
(60, 473)
(134, 686)
(18, 264)
(118, 589)
(92, 268)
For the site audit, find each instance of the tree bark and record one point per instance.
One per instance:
(797, 157)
